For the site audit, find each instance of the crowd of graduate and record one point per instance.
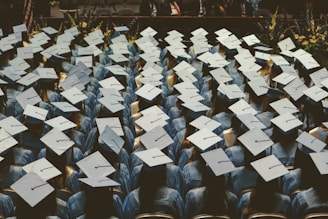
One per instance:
(125, 128)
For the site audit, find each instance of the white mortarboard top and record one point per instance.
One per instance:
(32, 188)
(93, 39)
(286, 44)
(85, 51)
(49, 30)
(11, 74)
(57, 141)
(12, 125)
(50, 51)
(289, 70)
(196, 106)
(223, 32)
(111, 82)
(284, 106)
(184, 65)
(148, 32)
(116, 69)
(61, 123)
(74, 31)
(204, 139)
(35, 112)
(6, 140)
(198, 31)
(41, 36)
(28, 79)
(217, 61)
(63, 49)
(113, 122)
(65, 106)
(25, 52)
(5, 45)
(311, 142)
(284, 78)
(186, 76)
(155, 66)
(232, 91)
(155, 110)
(309, 63)
(205, 122)
(200, 48)
(315, 93)
(156, 138)
(251, 40)
(186, 87)
(43, 168)
(218, 161)
(118, 58)
(269, 168)
(190, 97)
(287, 53)
(87, 60)
(286, 122)
(231, 41)
(173, 39)
(70, 82)
(112, 93)
(47, 73)
(221, 75)
(65, 38)
(242, 107)
(151, 121)
(245, 58)
(29, 96)
(262, 55)
(295, 89)
(19, 64)
(250, 121)
(95, 165)
(319, 76)
(19, 28)
(74, 95)
(150, 57)
(321, 162)
(259, 86)
(151, 72)
(111, 104)
(255, 140)
(153, 157)
(121, 28)
(250, 66)
(120, 48)
(35, 47)
(175, 33)
(99, 182)
(148, 92)
(150, 80)
(279, 60)
(112, 139)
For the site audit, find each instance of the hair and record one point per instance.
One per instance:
(262, 196)
(60, 162)
(151, 179)
(5, 164)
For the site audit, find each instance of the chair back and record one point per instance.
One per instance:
(267, 216)
(207, 216)
(154, 216)
(316, 216)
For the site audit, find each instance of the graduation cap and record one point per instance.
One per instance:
(25, 52)
(87, 60)
(242, 107)
(32, 188)
(72, 81)
(259, 86)
(251, 40)
(35, 112)
(150, 121)
(295, 89)
(311, 143)
(57, 141)
(12, 125)
(112, 139)
(74, 95)
(95, 165)
(286, 122)
(231, 91)
(250, 121)
(153, 157)
(269, 168)
(218, 161)
(148, 92)
(111, 104)
(196, 106)
(61, 123)
(284, 106)
(116, 70)
(321, 162)
(284, 78)
(64, 106)
(112, 93)
(47, 73)
(155, 110)
(190, 97)
(98, 182)
(204, 139)
(205, 122)
(111, 82)
(29, 96)
(256, 141)
(156, 138)
(118, 58)
(113, 122)
(49, 30)
(6, 141)
(43, 168)
(28, 79)
(318, 77)
(315, 93)
(221, 75)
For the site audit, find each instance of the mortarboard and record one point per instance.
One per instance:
(279, 60)
(99, 182)
(186, 76)
(12, 125)
(72, 81)
(251, 40)
(148, 32)
(28, 79)
(11, 74)
(250, 121)
(113, 122)
(153, 157)
(311, 142)
(110, 104)
(155, 110)
(242, 107)
(25, 52)
(190, 97)
(259, 86)
(117, 70)
(87, 60)
(112, 139)
(19, 64)
(148, 92)
(61, 123)
(204, 139)
(315, 93)
(221, 75)
(156, 138)
(186, 87)
(150, 80)
(43, 168)
(32, 188)
(95, 165)
(250, 66)
(262, 56)
(295, 89)
(93, 39)
(151, 121)
(321, 162)
(47, 73)
(121, 28)
(286, 122)
(151, 72)
(255, 140)
(20, 28)
(218, 161)
(269, 168)
(319, 76)
(205, 122)
(57, 141)
(74, 95)
(6, 140)
(252, 75)
(231, 91)
(284, 106)
(35, 112)
(111, 82)
(195, 106)
(286, 44)
(49, 30)
(112, 93)
(284, 78)
(65, 106)
(118, 58)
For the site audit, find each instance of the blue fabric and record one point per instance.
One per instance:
(192, 174)
(236, 155)
(7, 207)
(285, 153)
(242, 179)
(13, 174)
(291, 181)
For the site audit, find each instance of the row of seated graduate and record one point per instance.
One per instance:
(188, 155)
